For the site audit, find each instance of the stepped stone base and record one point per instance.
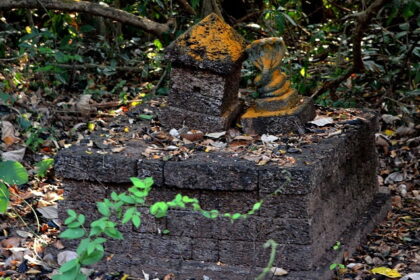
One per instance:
(332, 196)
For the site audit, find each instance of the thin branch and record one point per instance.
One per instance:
(90, 8)
(362, 22)
(187, 7)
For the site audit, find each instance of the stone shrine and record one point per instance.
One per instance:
(323, 191)
(206, 67)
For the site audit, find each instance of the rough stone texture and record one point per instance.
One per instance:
(211, 173)
(173, 117)
(274, 123)
(205, 77)
(81, 163)
(332, 195)
(211, 45)
(203, 92)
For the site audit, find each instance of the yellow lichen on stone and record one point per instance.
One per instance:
(212, 39)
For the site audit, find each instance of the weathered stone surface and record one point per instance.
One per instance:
(211, 173)
(206, 250)
(81, 163)
(174, 117)
(283, 121)
(205, 77)
(203, 92)
(151, 168)
(211, 45)
(306, 216)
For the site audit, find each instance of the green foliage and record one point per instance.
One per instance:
(11, 173)
(43, 166)
(336, 246)
(334, 266)
(122, 209)
(273, 244)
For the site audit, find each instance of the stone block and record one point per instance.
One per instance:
(160, 246)
(200, 92)
(286, 206)
(174, 117)
(206, 250)
(82, 163)
(187, 224)
(151, 168)
(211, 173)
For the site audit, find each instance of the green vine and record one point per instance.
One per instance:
(123, 207)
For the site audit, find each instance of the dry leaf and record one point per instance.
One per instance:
(66, 256)
(277, 271)
(322, 121)
(216, 135)
(265, 138)
(11, 242)
(84, 106)
(388, 272)
(49, 212)
(16, 155)
(7, 130)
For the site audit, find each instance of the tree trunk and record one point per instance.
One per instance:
(90, 8)
(211, 6)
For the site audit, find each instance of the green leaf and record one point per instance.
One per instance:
(84, 243)
(136, 221)
(257, 206)
(4, 198)
(148, 181)
(75, 224)
(114, 196)
(69, 265)
(159, 209)
(43, 166)
(94, 257)
(236, 216)
(71, 213)
(138, 183)
(12, 172)
(69, 220)
(72, 233)
(128, 215)
(187, 199)
(158, 44)
(214, 214)
(333, 266)
(81, 218)
(127, 199)
(113, 232)
(138, 193)
(103, 209)
(146, 117)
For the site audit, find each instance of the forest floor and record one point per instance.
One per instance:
(31, 224)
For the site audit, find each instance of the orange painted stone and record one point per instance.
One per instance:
(279, 108)
(206, 66)
(211, 45)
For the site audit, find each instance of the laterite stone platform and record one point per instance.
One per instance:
(332, 196)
